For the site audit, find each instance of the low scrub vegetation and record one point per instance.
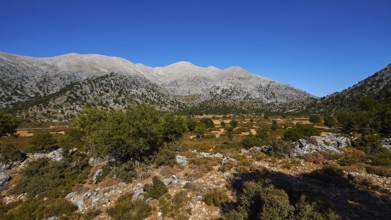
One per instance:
(126, 208)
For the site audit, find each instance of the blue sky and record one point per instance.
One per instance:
(320, 46)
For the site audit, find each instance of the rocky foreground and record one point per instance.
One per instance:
(197, 173)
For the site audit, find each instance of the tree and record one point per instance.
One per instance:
(191, 124)
(222, 123)
(234, 123)
(329, 121)
(274, 126)
(43, 142)
(300, 131)
(314, 119)
(173, 127)
(200, 130)
(8, 124)
(207, 122)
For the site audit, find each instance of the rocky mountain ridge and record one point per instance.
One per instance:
(374, 87)
(111, 82)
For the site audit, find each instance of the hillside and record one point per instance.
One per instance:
(374, 87)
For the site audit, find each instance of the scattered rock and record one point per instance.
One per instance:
(386, 142)
(77, 200)
(96, 176)
(8, 166)
(170, 180)
(227, 160)
(96, 160)
(329, 142)
(138, 190)
(55, 155)
(4, 179)
(181, 160)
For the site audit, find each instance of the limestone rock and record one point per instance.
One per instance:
(330, 142)
(97, 174)
(4, 179)
(181, 160)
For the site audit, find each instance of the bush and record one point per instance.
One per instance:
(280, 148)
(329, 121)
(314, 119)
(135, 134)
(175, 207)
(125, 208)
(265, 202)
(125, 172)
(8, 124)
(156, 189)
(300, 131)
(9, 153)
(165, 156)
(200, 130)
(207, 122)
(43, 142)
(251, 141)
(39, 209)
(216, 197)
(234, 123)
(380, 171)
(45, 178)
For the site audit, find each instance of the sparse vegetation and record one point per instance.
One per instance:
(125, 208)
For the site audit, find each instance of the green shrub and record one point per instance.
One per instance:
(42, 142)
(234, 123)
(165, 156)
(216, 197)
(136, 134)
(251, 141)
(308, 210)
(280, 148)
(380, 171)
(9, 153)
(125, 172)
(156, 189)
(207, 122)
(125, 208)
(300, 131)
(8, 124)
(265, 202)
(314, 119)
(333, 170)
(45, 178)
(39, 209)
(175, 207)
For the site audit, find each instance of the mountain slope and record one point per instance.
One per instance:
(374, 87)
(66, 83)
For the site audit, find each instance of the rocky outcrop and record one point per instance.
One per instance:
(4, 179)
(55, 155)
(330, 142)
(386, 143)
(181, 160)
(8, 166)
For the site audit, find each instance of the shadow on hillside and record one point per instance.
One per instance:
(350, 198)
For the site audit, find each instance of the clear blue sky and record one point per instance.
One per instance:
(320, 46)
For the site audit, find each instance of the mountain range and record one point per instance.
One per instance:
(59, 87)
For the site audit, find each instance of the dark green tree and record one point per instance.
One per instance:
(234, 123)
(8, 124)
(200, 130)
(329, 121)
(314, 119)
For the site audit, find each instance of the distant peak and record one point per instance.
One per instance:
(182, 64)
(236, 68)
